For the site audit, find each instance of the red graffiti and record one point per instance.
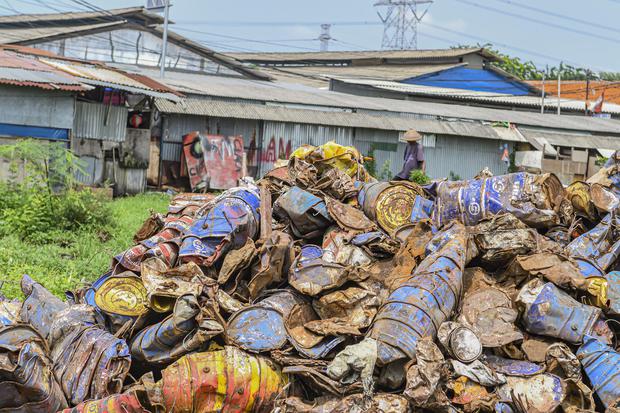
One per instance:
(213, 161)
(272, 153)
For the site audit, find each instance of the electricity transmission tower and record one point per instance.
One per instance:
(325, 37)
(400, 22)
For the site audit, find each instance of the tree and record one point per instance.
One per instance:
(527, 70)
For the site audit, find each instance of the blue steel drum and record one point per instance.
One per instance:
(231, 221)
(306, 213)
(40, 307)
(600, 245)
(509, 367)
(261, 327)
(114, 321)
(588, 268)
(422, 209)
(529, 197)
(164, 342)
(601, 364)
(420, 304)
(550, 311)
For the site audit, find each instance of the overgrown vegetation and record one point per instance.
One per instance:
(527, 70)
(41, 198)
(419, 177)
(370, 163)
(52, 229)
(72, 257)
(386, 171)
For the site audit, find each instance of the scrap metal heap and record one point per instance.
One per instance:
(319, 289)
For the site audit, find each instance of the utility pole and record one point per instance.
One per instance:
(325, 37)
(164, 46)
(560, 89)
(587, 91)
(400, 22)
(542, 95)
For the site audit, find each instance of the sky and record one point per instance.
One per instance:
(579, 33)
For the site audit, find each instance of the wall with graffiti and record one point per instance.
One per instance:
(212, 161)
(280, 139)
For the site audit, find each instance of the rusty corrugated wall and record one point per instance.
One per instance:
(279, 139)
(102, 122)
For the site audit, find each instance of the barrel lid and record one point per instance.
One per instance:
(465, 345)
(394, 207)
(123, 295)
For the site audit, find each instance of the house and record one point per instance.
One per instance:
(86, 105)
(275, 117)
(464, 76)
(583, 91)
(128, 36)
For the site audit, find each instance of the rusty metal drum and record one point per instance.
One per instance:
(27, 385)
(229, 380)
(549, 311)
(531, 198)
(390, 204)
(600, 363)
(424, 301)
(119, 403)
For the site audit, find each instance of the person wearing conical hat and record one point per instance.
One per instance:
(414, 155)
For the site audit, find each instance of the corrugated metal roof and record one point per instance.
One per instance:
(21, 70)
(572, 140)
(30, 29)
(101, 76)
(474, 96)
(29, 35)
(86, 15)
(237, 110)
(319, 76)
(361, 55)
(259, 91)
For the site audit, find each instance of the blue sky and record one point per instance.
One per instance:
(577, 32)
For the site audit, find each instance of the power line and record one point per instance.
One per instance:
(560, 16)
(509, 47)
(542, 22)
(243, 39)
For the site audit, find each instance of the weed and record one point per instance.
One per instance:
(66, 258)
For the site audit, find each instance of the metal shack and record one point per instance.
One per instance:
(87, 105)
(459, 140)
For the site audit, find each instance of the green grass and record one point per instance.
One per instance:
(75, 257)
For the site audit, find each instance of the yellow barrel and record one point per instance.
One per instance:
(579, 194)
(228, 380)
(389, 204)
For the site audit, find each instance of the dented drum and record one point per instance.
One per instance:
(390, 204)
(531, 198)
(423, 302)
(228, 380)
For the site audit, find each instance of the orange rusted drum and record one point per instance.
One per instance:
(119, 403)
(228, 380)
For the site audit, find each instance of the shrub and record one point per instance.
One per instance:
(41, 197)
(419, 177)
(386, 171)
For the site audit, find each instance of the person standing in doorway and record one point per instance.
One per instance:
(414, 156)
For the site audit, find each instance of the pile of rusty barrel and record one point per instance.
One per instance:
(319, 289)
